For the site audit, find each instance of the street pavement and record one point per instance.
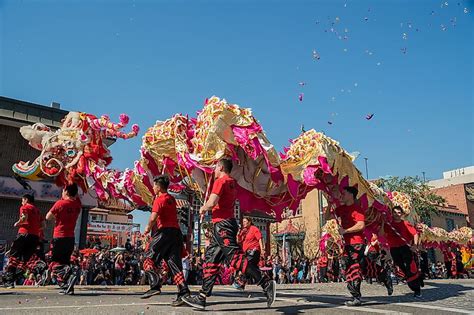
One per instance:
(439, 297)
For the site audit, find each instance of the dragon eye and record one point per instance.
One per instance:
(70, 152)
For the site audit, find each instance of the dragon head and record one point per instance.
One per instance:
(69, 152)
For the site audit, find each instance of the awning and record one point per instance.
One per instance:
(182, 203)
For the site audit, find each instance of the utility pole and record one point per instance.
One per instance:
(366, 169)
(424, 179)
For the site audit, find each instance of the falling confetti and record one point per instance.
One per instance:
(317, 22)
(330, 122)
(369, 116)
(366, 19)
(345, 5)
(446, 3)
(356, 84)
(409, 25)
(466, 10)
(345, 49)
(403, 50)
(333, 98)
(443, 27)
(302, 83)
(346, 30)
(300, 97)
(342, 90)
(405, 36)
(337, 19)
(432, 12)
(316, 55)
(379, 63)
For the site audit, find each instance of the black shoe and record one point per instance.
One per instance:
(196, 301)
(150, 293)
(389, 290)
(179, 300)
(270, 292)
(417, 295)
(70, 283)
(9, 285)
(354, 302)
(67, 292)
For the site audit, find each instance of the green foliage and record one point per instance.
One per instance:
(424, 201)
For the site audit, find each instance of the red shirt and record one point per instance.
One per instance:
(350, 215)
(251, 238)
(32, 224)
(404, 228)
(165, 206)
(322, 262)
(225, 188)
(66, 212)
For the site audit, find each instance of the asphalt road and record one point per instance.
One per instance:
(439, 297)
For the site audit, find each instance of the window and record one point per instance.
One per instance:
(237, 210)
(449, 225)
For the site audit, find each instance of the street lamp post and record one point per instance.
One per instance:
(366, 169)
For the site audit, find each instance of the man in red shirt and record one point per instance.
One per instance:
(223, 244)
(24, 246)
(166, 243)
(250, 238)
(65, 213)
(401, 235)
(352, 229)
(375, 264)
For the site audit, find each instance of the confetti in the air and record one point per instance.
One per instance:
(404, 36)
(379, 63)
(316, 55)
(443, 27)
(345, 49)
(369, 116)
(403, 50)
(329, 122)
(356, 84)
(300, 97)
(302, 83)
(366, 19)
(466, 10)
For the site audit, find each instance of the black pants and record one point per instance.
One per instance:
(449, 272)
(403, 258)
(253, 258)
(224, 247)
(61, 258)
(323, 274)
(166, 244)
(22, 250)
(353, 256)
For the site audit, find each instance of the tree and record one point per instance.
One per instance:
(424, 200)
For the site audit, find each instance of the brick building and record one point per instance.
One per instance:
(13, 115)
(457, 188)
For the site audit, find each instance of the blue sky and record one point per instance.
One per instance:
(151, 59)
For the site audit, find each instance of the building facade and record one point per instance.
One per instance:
(457, 188)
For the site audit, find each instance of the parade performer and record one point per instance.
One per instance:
(450, 263)
(23, 251)
(65, 213)
(352, 228)
(376, 267)
(166, 244)
(250, 238)
(400, 236)
(323, 268)
(223, 244)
